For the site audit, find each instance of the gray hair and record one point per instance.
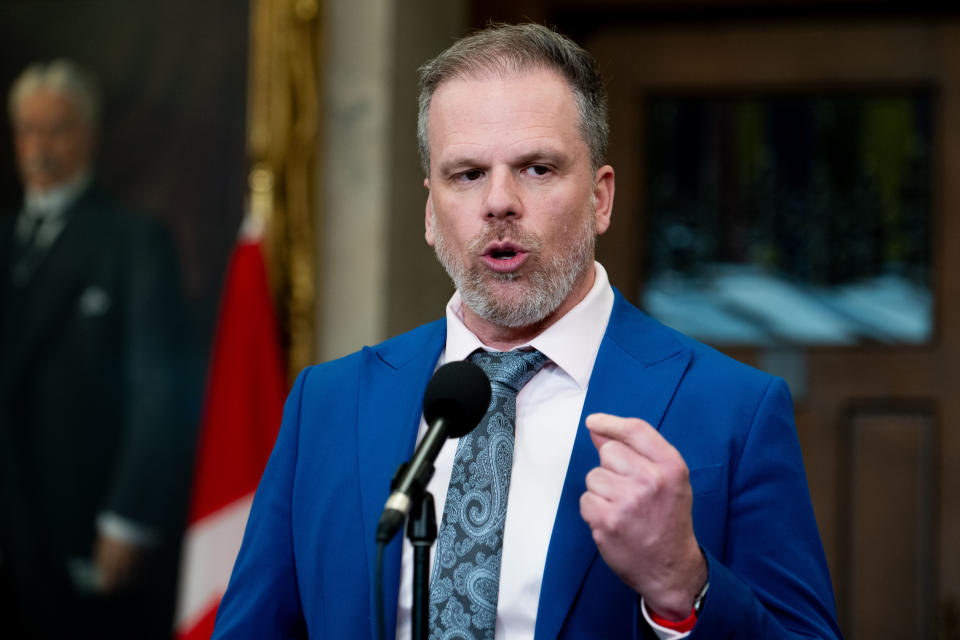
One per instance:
(62, 76)
(510, 49)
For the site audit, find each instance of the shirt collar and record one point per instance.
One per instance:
(572, 342)
(54, 201)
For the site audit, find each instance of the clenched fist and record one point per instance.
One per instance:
(638, 504)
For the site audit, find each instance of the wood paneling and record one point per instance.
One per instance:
(888, 515)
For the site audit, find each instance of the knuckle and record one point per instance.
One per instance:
(677, 473)
(599, 537)
(593, 477)
(614, 523)
(605, 449)
(653, 481)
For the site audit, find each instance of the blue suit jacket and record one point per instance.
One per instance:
(307, 560)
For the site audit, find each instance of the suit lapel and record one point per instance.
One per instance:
(53, 289)
(638, 368)
(393, 379)
(7, 224)
(8, 344)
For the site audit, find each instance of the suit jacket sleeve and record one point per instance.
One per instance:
(263, 597)
(308, 555)
(768, 577)
(150, 483)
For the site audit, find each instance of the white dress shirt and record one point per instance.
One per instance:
(47, 206)
(548, 414)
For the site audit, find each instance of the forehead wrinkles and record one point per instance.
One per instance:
(46, 106)
(517, 113)
(529, 144)
(518, 89)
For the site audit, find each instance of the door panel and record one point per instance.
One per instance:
(887, 518)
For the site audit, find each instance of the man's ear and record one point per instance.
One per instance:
(603, 188)
(428, 211)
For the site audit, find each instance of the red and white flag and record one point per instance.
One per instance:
(244, 403)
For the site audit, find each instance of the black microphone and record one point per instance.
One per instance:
(455, 400)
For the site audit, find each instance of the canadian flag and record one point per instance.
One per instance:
(243, 408)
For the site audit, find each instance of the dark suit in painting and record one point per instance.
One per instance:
(90, 416)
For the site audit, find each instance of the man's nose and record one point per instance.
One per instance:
(503, 198)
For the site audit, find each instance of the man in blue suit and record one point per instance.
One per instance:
(656, 487)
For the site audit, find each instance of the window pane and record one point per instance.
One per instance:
(800, 219)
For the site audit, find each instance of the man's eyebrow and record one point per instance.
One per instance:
(538, 155)
(544, 155)
(459, 163)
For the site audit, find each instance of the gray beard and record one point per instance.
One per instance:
(547, 284)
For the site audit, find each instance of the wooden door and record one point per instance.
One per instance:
(879, 424)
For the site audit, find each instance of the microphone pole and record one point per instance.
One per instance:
(422, 531)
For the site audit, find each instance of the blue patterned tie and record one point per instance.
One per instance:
(466, 569)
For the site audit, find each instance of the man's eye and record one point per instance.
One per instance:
(471, 175)
(537, 170)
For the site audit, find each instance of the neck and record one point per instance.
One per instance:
(59, 195)
(506, 338)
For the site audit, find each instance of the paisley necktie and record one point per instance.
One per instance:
(466, 570)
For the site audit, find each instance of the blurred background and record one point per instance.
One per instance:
(788, 191)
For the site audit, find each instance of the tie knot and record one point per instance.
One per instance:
(512, 369)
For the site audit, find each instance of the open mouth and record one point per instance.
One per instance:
(504, 257)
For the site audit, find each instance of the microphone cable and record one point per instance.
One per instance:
(378, 588)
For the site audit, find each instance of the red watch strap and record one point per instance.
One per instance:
(681, 626)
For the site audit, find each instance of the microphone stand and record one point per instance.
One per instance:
(421, 531)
